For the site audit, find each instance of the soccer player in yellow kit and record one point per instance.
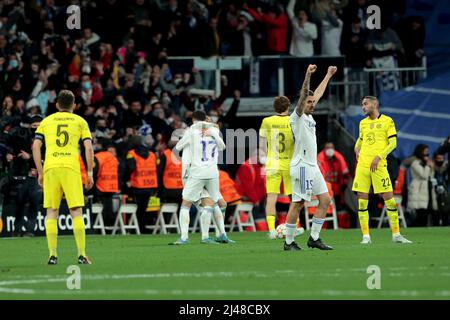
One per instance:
(62, 132)
(377, 138)
(276, 135)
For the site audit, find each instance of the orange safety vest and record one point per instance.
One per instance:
(107, 175)
(144, 176)
(172, 172)
(83, 171)
(400, 181)
(227, 188)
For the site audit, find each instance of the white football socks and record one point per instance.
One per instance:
(205, 221)
(317, 224)
(219, 219)
(184, 223)
(290, 232)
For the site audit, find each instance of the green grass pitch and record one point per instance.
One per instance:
(145, 267)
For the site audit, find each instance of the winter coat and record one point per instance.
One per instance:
(418, 191)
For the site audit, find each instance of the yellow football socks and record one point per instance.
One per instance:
(80, 235)
(363, 214)
(392, 213)
(51, 230)
(271, 222)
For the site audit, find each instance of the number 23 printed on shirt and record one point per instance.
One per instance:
(205, 145)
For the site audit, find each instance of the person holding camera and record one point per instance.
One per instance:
(441, 190)
(23, 187)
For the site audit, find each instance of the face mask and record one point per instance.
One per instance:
(86, 69)
(13, 64)
(329, 152)
(177, 81)
(214, 119)
(87, 85)
(102, 129)
(439, 163)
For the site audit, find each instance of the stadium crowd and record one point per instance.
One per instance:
(133, 98)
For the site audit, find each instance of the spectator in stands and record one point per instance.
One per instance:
(276, 23)
(106, 173)
(354, 38)
(412, 35)
(210, 45)
(382, 47)
(334, 169)
(331, 30)
(441, 190)
(419, 190)
(303, 33)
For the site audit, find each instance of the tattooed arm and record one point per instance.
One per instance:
(304, 90)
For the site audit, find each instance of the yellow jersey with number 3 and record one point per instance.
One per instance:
(62, 133)
(280, 143)
(374, 136)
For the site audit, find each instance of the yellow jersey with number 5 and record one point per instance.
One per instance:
(62, 133)
(280, 143)
(374, 136)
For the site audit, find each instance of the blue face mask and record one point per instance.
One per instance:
(13, 64)
(87, 85)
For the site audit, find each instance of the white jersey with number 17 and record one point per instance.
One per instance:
(204, 151)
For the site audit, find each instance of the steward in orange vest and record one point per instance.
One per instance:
(106, 177)
(169, 177)
(142, 177)
(227, 188)
(106, 172)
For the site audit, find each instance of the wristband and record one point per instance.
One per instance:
(91, 174)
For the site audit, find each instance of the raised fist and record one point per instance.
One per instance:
(332, 70)
(311, 68)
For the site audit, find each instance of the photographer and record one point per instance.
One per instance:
(441, 190)
(22, 186)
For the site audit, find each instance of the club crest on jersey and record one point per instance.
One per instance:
(311, 124)
(370, 138)
(372, 126)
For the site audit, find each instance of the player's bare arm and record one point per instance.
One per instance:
(37, 157)
(90, 162)
(318, 93)
(300, 109)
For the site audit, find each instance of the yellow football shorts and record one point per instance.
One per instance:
(274, 179)
(59, 181)
(379, 179)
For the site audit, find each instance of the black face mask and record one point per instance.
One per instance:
(102, 129)
(439, 163)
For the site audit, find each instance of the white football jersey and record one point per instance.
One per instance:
(305, 141)
(203, 151)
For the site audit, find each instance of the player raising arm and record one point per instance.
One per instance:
(307, 180)
(60, 174)
(377, 138)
